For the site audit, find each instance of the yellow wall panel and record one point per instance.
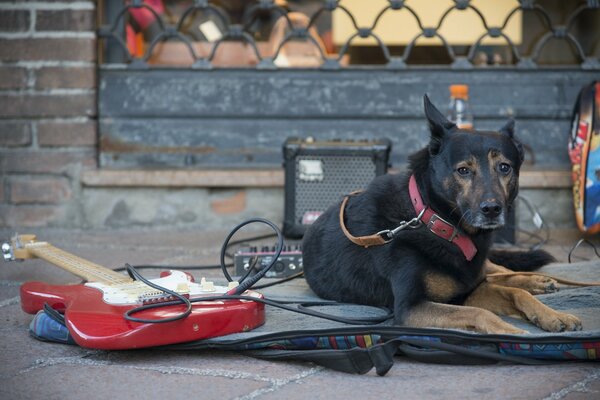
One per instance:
(399, 27)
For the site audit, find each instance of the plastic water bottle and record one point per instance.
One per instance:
(459, 111)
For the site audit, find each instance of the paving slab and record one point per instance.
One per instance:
(32, 369)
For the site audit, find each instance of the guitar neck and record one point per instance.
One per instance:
(83, 268)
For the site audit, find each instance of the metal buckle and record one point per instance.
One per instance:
(436, 217)
(388, 235)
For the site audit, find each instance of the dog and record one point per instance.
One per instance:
(419, 243)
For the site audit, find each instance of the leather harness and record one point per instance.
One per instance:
(425, 215)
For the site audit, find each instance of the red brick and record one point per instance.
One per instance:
(13, 216)
(13, 78)
(231, 205)
(47, 105)
(68, 49)
(66, 133)
(14, 20)
(15, 134)
(53, 190)
(65, 20)
(63, 77)
(45, 161)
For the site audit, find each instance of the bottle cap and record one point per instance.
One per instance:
(459, 91)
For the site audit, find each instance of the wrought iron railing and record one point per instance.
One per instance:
(116, 45)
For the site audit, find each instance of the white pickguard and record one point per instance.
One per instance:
(138, 292)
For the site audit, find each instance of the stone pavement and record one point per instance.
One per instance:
(30, 369)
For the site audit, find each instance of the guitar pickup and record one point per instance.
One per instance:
(161, 297)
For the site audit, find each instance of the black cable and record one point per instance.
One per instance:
(253, 262)
(543, 226)
(181, 300)
(537, 218)
(277, 282)
(251, 239)
(247, 283)
(302, 308)
(579, 243)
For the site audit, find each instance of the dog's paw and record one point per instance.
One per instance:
(557, 322)
(538, 284)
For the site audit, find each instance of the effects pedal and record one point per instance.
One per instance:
(289, 262)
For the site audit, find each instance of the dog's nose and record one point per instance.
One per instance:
(490, 208)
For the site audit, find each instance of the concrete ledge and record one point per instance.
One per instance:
(183, 178)
(560, 179)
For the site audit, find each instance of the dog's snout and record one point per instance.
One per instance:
(490, 208)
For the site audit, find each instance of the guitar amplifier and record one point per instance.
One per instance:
(319, 173)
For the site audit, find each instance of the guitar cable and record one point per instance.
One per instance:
(245, 283)
(181, 300)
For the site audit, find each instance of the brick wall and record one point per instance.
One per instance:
(47, 109)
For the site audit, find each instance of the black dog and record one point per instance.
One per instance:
(432, 270)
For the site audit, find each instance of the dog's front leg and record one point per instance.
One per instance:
(534, 284)
(437, 315)
(521, 304)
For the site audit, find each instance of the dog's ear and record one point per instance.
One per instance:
(509, 128)
(438, 125)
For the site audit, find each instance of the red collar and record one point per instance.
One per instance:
(438, 225)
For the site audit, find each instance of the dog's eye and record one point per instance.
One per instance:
(463, 171)
(504, 168)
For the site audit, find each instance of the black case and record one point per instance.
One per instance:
(319, 173)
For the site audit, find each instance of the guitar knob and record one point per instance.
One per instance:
(207, 286)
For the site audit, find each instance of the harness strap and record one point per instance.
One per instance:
(365, 241)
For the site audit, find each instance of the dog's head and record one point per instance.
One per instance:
(475, 172)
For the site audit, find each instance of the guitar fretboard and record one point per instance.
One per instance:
(76, 265)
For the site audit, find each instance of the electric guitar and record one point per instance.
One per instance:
(94, 310)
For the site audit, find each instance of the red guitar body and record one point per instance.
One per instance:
(96, 324)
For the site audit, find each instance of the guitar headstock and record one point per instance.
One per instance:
(16, 249)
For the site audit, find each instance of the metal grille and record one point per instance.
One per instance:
(563, 29)
(341, 175)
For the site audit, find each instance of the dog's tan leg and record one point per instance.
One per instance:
(520, 303)
(532, 283)
(438, 315)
